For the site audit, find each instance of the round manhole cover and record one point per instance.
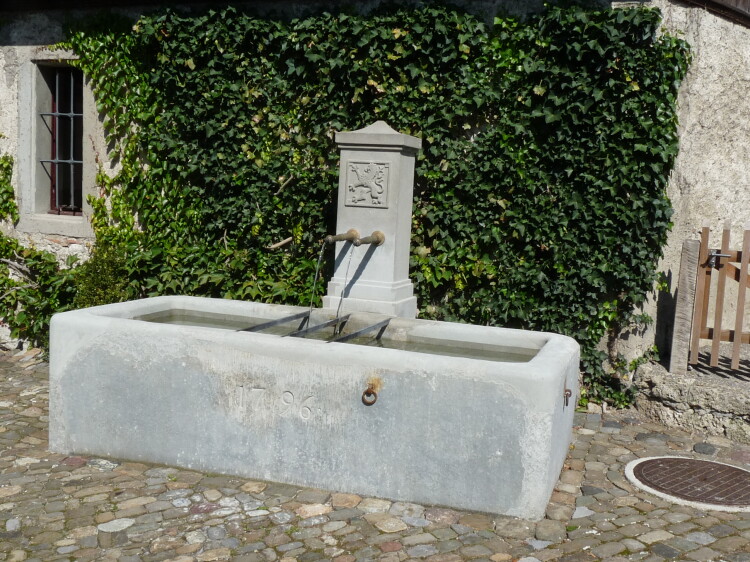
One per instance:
(701, 484)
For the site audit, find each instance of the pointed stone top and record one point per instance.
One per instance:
(378, 128)
(378, 134)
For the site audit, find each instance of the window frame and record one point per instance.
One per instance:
(71, 146)
(34, 146)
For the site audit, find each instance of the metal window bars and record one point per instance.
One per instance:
(65, 123)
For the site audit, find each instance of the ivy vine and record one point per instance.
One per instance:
(540, 192)
(33, 286)
(8, 207)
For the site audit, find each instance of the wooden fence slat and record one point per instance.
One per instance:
(727, 335)
(684, 305)
(734, 272)
(741, 293)
(702, 291)
(719, 309)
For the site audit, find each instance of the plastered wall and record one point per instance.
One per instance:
(710, 183)
(25, 40)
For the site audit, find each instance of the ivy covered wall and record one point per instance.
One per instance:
(540, 193)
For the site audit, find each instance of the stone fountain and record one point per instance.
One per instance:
(355, 397)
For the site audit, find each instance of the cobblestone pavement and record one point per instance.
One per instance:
(54, 507)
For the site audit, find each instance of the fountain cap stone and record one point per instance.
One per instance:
(378, 134)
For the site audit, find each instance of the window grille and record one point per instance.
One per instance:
(65, 124)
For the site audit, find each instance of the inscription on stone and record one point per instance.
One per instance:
(367, 184)
(261, 401)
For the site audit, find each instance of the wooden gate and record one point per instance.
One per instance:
(727, 265)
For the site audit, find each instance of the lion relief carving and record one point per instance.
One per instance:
(367, 185)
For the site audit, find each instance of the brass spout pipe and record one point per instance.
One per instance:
(376, 239)
(350, 235)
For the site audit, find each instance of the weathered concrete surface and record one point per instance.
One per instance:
(457, 431)
(702, 401)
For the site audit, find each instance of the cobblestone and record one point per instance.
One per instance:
(57, 507)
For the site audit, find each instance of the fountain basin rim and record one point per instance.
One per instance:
(545, 347)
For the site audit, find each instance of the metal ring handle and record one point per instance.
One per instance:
(369, 397)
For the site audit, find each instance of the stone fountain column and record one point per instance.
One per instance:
(376, 183)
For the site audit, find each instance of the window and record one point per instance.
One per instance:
(59, 135)
(64, 123)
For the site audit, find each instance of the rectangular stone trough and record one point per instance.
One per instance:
(473, 417)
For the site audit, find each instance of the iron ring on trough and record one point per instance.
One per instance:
(369, 397)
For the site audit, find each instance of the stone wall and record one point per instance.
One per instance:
(711, 179)
(701, 401)
(710, 185)
(23, 40)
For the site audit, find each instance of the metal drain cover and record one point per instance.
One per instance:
(694, 482)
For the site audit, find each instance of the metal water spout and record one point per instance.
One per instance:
(376, 239)
(350, 235)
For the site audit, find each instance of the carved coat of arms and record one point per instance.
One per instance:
(368, 184)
